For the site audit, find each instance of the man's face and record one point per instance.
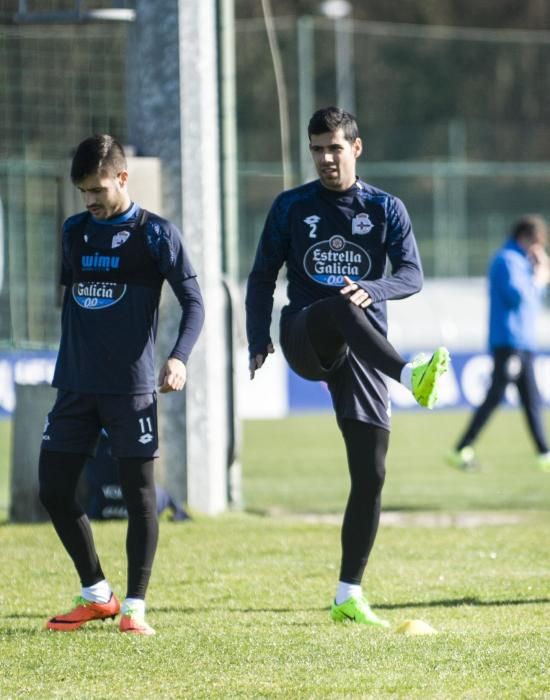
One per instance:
(536, 241)
(335, 158)
(105, 196)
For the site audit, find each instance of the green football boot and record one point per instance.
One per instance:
(356, 610)
(543, 462)
(426, 374)
(464, 459)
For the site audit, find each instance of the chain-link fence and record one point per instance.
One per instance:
(58, 84)
(455, 122)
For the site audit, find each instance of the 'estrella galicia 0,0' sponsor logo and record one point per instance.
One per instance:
(327, 262)
(100, 262)
(97, 295)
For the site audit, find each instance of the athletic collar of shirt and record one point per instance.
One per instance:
(130, 213)
(512, 244)
(336, 194)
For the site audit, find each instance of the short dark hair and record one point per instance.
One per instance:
(99, 153)
(331, 119)
(529, 226)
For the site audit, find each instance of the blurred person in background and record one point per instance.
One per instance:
(518, 276)
(115, 258)
(336, 236)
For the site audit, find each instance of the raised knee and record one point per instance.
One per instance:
(348, 308)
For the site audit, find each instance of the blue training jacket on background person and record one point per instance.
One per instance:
(514, 299)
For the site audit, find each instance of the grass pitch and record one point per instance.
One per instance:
(240, 602)
(299, 464)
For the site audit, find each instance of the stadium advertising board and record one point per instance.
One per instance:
(463, 386)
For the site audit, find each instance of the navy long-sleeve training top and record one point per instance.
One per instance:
(113, 271)
(323, 235)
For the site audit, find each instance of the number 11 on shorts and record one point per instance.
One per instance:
(145, 424)
(146, 429)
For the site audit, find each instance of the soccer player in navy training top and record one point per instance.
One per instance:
(116, 256)
(335, 235)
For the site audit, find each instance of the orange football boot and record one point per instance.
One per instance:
(83, 612)
(135, 625)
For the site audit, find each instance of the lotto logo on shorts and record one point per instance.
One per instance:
(146, 428)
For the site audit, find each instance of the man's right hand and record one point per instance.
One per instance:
(354, 294)
(258, 360)
(541, 264)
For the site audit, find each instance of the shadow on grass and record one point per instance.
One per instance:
(446, 603)
(23, 631)
(458, 602)
(214, 608)
(23, 616)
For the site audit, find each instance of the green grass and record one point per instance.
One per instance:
(240, 602)
(311, 476)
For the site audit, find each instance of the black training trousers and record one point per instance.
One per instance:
(59, 473)
(510, 366)
(334, 340)
(366, 447)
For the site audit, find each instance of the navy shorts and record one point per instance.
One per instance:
(76, 420)
(358, 392)
(299, 351)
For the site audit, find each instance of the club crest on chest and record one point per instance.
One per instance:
(361, 225)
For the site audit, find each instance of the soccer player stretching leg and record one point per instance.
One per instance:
(335, 235)
(115, 258)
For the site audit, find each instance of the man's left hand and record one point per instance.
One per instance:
(355, 294)
(172, 376)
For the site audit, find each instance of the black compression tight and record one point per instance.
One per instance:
(59, 473)
(366, 447)
(138, 488)
(335, 322)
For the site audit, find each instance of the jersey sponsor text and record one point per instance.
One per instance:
(327, 262)
(100, 262)
(97, 295)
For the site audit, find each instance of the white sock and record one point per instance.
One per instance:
(100, 592)
(406, 376)
(347, 590)
(135, 606)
